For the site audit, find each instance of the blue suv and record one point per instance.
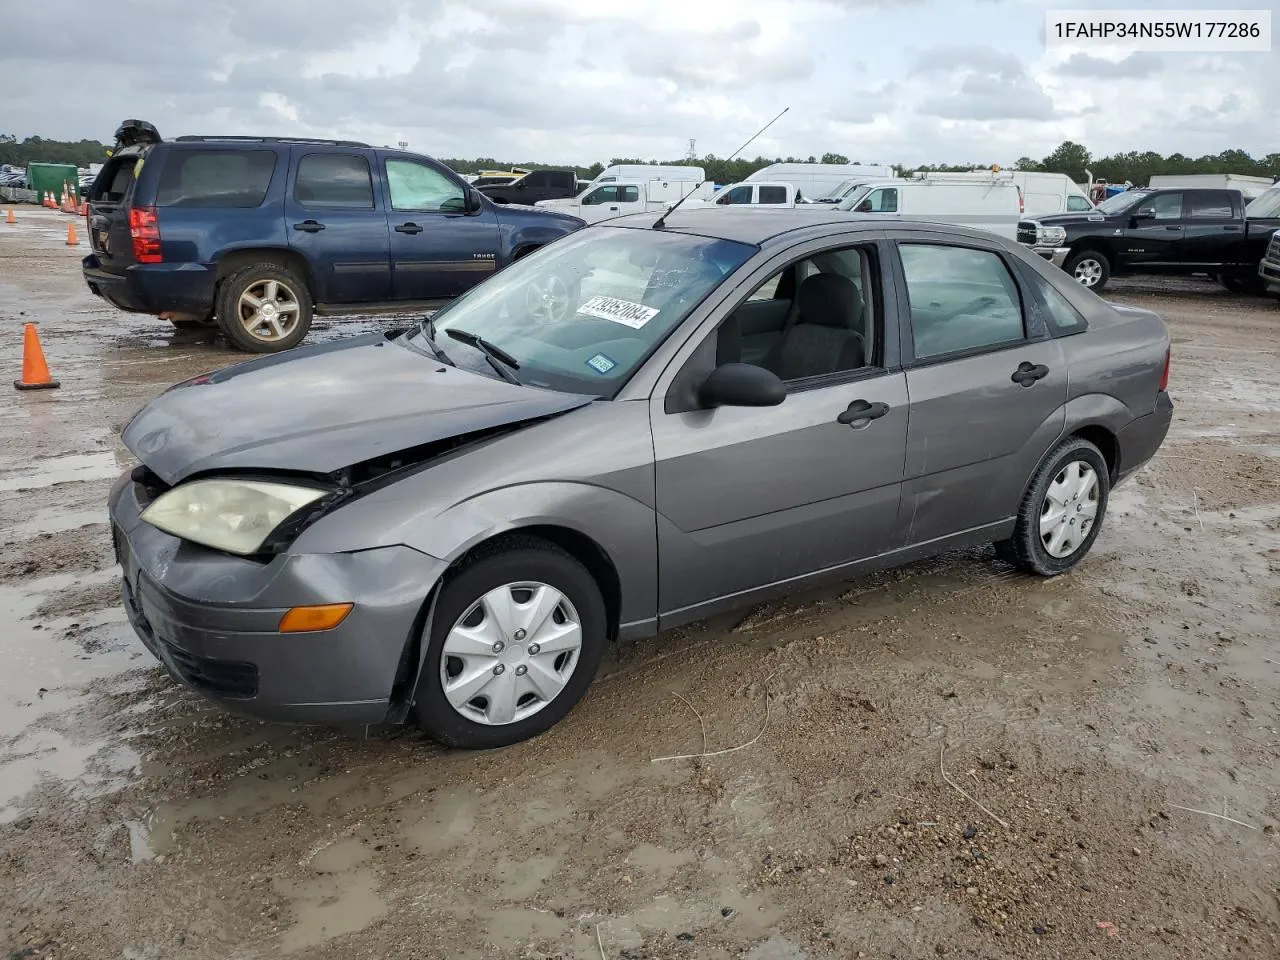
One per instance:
(256, 234)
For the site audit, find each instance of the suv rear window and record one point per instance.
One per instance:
(334, 180)
(215, 178)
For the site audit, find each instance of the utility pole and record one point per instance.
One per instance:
(693, 153)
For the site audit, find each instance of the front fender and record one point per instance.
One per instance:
(623, 528)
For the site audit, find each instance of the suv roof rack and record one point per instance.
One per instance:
(335, 143)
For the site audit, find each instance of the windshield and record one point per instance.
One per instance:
(1121, 201)
(854, 196)
(1265, 206)
(584, 312)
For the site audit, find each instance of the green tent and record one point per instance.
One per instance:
(57, 179)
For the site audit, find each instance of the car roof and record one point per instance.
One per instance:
(759, 227)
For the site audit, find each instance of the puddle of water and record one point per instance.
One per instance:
(329, 907)
(102, 465)
(46, 673)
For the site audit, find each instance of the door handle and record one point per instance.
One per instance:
(1171, 227)
(1233, 228)
(614, 209)
(309, 226)
(1029, 373)
(860, 412)
(408, 228)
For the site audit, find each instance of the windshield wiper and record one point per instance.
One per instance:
(492, 352)
(427, 327)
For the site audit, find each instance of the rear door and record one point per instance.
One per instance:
(987, 386)
(1213, 227)
(335, 219)
(109, 235)
(438, 249)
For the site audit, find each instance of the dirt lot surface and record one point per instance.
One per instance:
(949, 760)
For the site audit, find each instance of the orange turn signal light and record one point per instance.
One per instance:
(320, 616)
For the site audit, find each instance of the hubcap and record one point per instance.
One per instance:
(547, 299)
(1070, 509)
(268, 310)
(511, 653)
(1088, 272)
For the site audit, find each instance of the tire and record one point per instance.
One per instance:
(1034, 551)
(271, 334)
(507, 711)
(1090, 268)
(1242, 283)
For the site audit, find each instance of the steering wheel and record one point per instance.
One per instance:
(985, 301)
(548, 299)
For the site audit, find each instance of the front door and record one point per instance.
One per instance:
(753, 497)
(1155, 232)
(611, 200)
(988, 388)
(438, 250)
(335, 219)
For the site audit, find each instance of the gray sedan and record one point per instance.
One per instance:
(638, 426)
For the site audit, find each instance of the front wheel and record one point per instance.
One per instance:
(1090, 268)
(1243, 283)
(264, 308)
(515, 641)
(1061, 512)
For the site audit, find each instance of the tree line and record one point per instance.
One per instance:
(1070, 158)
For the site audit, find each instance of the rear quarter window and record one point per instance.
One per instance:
(215, 178)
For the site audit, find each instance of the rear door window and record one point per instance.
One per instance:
(773, 194)
(961, 299)
(1209, 205)
(334, 180)
(215, 178)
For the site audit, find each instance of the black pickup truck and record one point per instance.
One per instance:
(1161, 231)
(534, 186)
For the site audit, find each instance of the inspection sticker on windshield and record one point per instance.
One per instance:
(625, 312)
(601, 364)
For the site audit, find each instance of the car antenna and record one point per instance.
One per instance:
(662, 220)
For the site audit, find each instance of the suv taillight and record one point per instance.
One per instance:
(145, 230)
(1164, 375)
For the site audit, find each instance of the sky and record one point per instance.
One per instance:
(579, 81)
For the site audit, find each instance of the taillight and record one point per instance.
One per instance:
(1164, 375)
(1022, 204)
(145, 230)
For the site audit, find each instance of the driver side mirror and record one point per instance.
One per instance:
(742, 385)
(471, 202)
(864, 207)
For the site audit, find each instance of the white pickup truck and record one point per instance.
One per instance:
(753, 193)
(621, 197)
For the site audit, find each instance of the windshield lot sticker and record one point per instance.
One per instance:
(625, 312)
(601, 364)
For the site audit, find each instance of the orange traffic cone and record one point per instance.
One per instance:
(71, 235)
(11, 218)
(35, 372)
(84, 208)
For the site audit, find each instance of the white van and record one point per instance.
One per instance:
(1250, 187)
(780, 196)
(647, 172)
(1042, 193)
(604, 201)
(849, 186)
(992, 205)
(815, 180)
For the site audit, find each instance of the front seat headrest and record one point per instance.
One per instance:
(829, 300)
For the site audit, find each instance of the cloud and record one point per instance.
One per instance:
(992, 85)
(580, 81)
(1140, 64)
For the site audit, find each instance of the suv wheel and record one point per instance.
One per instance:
(264, 308)
(1090, 269)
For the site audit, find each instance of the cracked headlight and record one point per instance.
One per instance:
(232, 515)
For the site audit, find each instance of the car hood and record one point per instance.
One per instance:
(318, 409)
(514, 214)
(1067, 219)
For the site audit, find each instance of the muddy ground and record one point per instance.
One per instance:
(948, 760)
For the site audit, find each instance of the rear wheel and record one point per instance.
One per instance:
(515, 641)
(1061, 511)
(264, 308)
(1244, 283)
(1090, 268)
